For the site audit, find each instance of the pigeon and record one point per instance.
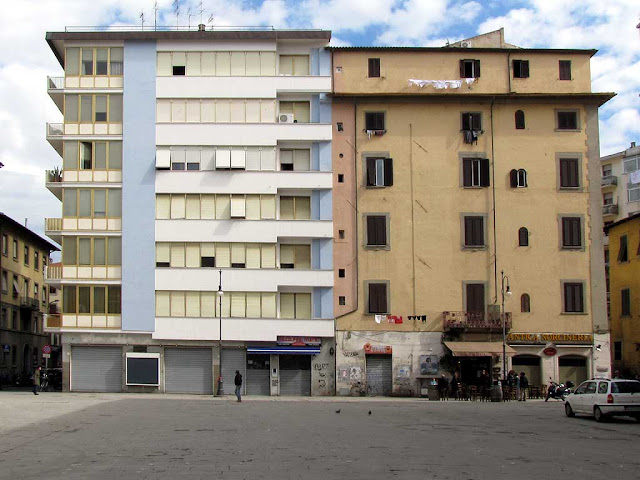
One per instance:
(369, 412)
(338, 411)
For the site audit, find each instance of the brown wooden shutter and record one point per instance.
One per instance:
(377, 298)
(462, 69)
(513, 178)
(476, 68)
(478, 231)
(371, 230)
(523, 237)
(381, 230)
(622, 253)
(467, 166)
(475, 297)
(525, 69)
(371, 171)
(485, 178)
(468, 229)
(388, 172)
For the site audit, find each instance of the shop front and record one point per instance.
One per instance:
(472, 358)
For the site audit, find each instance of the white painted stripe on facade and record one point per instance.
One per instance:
(265, 231)
(239, 279)
(239, 329)
(245, 134)
(222, 181)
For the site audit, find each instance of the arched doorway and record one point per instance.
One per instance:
(530, 365)
(26, 359)
(572, 367)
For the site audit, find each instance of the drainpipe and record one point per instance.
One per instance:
(509, 71)
(356, 180)
(493, 193)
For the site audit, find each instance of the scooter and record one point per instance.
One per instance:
(558, 391)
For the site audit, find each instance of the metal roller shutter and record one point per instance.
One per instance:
(379, 378)
(96, 369)
(295, 375)
(233, 359)
(188, 370)
(572, 368)
(257, 379)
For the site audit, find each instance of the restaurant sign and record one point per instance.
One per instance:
(300, 341)
(544, 338)
(377, 349)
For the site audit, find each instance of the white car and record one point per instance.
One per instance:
(602, 398)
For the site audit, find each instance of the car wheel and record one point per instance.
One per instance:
(598, 415)
(568, 410)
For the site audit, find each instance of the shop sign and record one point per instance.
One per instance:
(300, 341)
(6, 348)
(549, 337)
(377, 349)
(550, 351)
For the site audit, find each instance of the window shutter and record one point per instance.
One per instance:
(163, 207)
(163, 253)
(381, 230)
(522, 178)
(268, 207)
(467, 166)
(192, 304)
(268, 305)
(525, 68)
(237, 206)
(238, 304)
(223, 255)
(223, 207)
(268, 256)
(302, 208)
(286, 208)
(513, 176)
(253, 255)
(238, 159)
(177, 206)
(476, 68)
(287, 308)
(475, 297)
(485, 180)
(253, 305)
(388, 172)
(303, 305)
(468, 231)
(162, 304)
(177, 304)
(371, 231)
(301, 112)
(208, 207)
(622, 253)
(238, 253)
(207, 304)
(302, 256)
(301, 160)
(461, 68)
(575, 232)
(287, 254)
(371, 171)
(177, 255)
(252, 207)
(193, 207)
(192, 255)
(208, 250)
(373, 298)
(223, 158)
(267, 64)
(286, 158)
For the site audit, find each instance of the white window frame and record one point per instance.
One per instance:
(142, 355)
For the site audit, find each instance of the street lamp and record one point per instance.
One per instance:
(507, 292)
(220, 295)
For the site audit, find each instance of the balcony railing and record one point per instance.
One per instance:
(31, 303)
(53, 224)
(609, 180)
(55, 83)
(53, 176)
(610, 209)
(54, 272)
(55, 129)
(475, 321)
(54, 321)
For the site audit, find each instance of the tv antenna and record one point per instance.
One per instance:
(176, 7)
(142, 18)
(189, 15)
(210, 20)
(200, 9)
(155, 15)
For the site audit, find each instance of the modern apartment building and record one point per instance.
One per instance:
(23, 298)
(196, 228)
(464, 174)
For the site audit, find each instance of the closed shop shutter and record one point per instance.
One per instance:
(295, 375)
(188, 370)
(96, 369)
(379, 369)
(572, 368)
(530, 365)
(257, 379)
(233, 359)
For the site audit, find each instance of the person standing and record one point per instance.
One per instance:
(516, 380)
(524, 385)
(454, 385)
(238, 383)
(442, 387)
(36, 381)
(484, 386)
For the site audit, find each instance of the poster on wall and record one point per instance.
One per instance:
(429, 364)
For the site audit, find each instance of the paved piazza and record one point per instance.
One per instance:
(103, 436)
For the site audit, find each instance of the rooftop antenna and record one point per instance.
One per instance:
(142, 18)
(155, 15)
(189, 15)
(176, 7)
(210, 20)
(200, 9)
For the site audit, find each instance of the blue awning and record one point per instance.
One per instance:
(284, 350)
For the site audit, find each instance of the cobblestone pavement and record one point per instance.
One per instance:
(108, 436)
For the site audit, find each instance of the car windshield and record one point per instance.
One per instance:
(625, 387)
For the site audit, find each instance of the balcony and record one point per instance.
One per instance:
(53, 182)
(53, 320)
(609, 181)
(55, 131)
(55, 88)
(609, 210)
(475, 321)
(29, 303)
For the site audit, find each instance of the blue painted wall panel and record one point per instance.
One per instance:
(325, 108)
(326, 205)
(325, 62)
(138, 186)
(315, 61)
(323, 302)
(315, 156)
(324, 156)
(315, 108)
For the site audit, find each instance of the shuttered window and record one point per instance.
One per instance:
(208, 207)
(223, 64)
(303, 305)
(475, 297)
(163, 254)
(193, 207)
(374, 67)
(294, 65)
(520, 68)
(286, 208)
(267, 207)
(177, 206)
(177, 255)
(208, 255)
(564, 67)
(569, 173)
(379, 172)
(469, 68)
(238, 304)
(238, 259)
(287, 305)
(573, 298)
(192, 255)
(192, 300)
(223, 207)
(253, 305)
(163, 304)
(475, 172)
(177, 304)
(268, 305)
(226, 306)
(268, 256)
(376, 230)
(377, 298)
(208, 304)
(571, 232)
(474, 231)
(301, 110)
(623, 250)
(237, 206)
(223, 255)
(253, 255)
(625, 299)
(252, 207)
(287, 256)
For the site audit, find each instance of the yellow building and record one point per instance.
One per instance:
(23, 298)
(624, 278)
(452, 165)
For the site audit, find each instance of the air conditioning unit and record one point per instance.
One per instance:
(465, 44)
(285, 118)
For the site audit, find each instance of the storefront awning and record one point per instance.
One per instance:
(477, 349)
(284, 350)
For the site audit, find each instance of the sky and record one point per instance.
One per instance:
(26, 60)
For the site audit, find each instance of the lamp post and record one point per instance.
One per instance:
(507, 292)
(220, 295)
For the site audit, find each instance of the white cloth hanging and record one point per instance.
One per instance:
(634, 177)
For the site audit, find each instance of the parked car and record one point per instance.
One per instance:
(602, 398)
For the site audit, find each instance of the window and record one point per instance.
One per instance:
(300, 110)
(474, 231)
(295, 256)
(623, 255)
(379, 172)
(26, 255)
(573, 297)
(374, 121)
(5, 245)
(469, 68)
(607, 198)
(341, 234)
(520, 68)
(471, 121)
(36, 290)
(374, 67)
(376, 231)
(295, 208)
(295, 305)
(342, 300)
(518, 178)
(571, 232)
(44, 295)
(525, 303)
(16, 287)
(340, 178)
(475, 172)
(15, 250)
(475, 297)
(607, 170)
(179, 70)
(567, 120)
(625, 302)
(603, 387)
(298, 160)
(5, 281)
(340, 126)
(564, 67)
(617, 351)
(87, 61)
(36, 260)
(519, 119)
(377, 302)
(569, 173)
(84, 57)
(341, 273)
(523, 237)
(631, 164)
(297, 65)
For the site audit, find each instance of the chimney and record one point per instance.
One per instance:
(633, 144)
(201, 27)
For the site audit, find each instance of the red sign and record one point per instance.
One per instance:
(394, 319)
(46, 349)
(377, 349)
(300, 341)
(550, 351)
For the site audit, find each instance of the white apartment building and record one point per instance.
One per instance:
(196, 228)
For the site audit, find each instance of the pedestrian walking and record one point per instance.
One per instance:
(484, 386)
(36, 381)
(442, 387)
(238, 383)
(524, 385)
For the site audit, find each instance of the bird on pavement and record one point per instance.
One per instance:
(369, 412)
(338, 411)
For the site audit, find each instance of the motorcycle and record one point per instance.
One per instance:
(558, 391)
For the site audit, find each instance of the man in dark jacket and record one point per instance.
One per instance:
(524, 385)
(238, 383)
